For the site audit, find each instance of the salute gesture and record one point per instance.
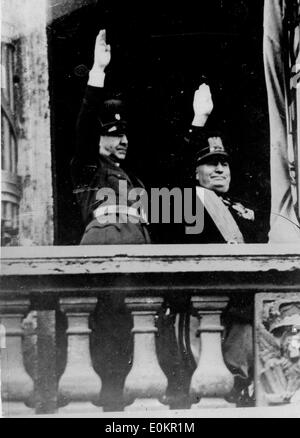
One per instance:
(102, 53)
(203, 105)
(102, 58)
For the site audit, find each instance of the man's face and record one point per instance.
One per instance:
(214, 174)
(114, 146)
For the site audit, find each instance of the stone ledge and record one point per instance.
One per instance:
(290, 411)
(149, 259)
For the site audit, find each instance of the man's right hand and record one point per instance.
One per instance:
(102, 54)
(102, 58)
(203, 105)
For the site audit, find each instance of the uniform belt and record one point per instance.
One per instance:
(120, 209)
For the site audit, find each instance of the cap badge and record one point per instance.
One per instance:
(117, 117)
(216, 145)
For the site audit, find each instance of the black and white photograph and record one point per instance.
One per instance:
(150, 211)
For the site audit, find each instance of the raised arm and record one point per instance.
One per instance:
(203, 106)
(87, 128)
(102, 58)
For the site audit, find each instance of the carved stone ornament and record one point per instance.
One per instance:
(278, 343)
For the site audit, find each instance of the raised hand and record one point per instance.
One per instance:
(203, 105)
(102, 53)
(102, 57)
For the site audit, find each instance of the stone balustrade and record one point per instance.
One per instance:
(212, 380)
(54, 369)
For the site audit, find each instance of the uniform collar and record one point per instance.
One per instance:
(110, 161)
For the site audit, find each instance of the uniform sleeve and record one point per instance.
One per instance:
(193, 134)
(87, 127)
(186, 158)
(87, 136)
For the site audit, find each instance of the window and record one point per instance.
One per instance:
(222, 42)
(10, 191)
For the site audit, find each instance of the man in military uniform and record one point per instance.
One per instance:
(101, 148)
(96, 171)
(225, 221)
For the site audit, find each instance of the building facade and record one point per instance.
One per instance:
(27, 194)
(51, 288)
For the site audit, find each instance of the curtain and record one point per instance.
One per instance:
(282, 88)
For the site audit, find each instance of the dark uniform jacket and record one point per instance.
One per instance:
(245, 218)
(249, 221)
(92, 172)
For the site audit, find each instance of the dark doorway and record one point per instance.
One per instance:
(161, 50)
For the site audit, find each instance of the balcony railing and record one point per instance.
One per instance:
(55, 355)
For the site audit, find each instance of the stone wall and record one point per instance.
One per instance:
(64, 7)
(25, 22)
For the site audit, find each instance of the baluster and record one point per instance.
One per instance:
(41, 358)
(17, 387)
(80, 385)
(211, 381)
(46, 385)
(146, 383)
(2, 347)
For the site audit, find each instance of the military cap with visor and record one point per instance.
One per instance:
(209, 146)
(112, 118)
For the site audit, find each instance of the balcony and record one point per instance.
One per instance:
(54, 352)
